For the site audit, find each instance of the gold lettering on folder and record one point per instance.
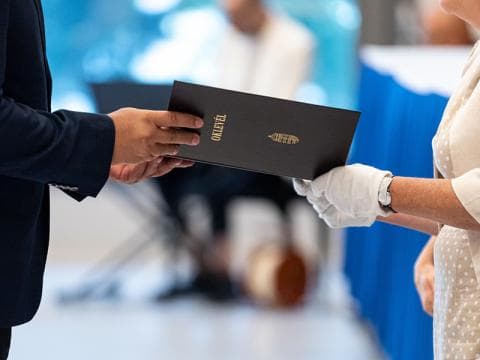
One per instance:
(219, 122)
(285, 139)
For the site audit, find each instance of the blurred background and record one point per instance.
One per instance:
(212, 263)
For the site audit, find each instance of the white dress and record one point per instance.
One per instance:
(456, 148)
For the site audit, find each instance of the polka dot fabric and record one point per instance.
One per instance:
(457, 298)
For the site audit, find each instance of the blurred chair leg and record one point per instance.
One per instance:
(105, 273)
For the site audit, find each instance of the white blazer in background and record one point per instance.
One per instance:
(275, 62)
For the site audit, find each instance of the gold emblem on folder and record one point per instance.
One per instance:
(284, 139)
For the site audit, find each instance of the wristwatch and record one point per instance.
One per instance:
(384, 196)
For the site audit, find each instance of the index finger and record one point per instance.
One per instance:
(175, 119)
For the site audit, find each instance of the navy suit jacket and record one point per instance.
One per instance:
(37, 147)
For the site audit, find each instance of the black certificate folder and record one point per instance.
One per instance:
(264, 134)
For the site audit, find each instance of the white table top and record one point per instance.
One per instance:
(423, 69)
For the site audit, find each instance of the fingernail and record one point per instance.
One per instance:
(196, 140)
(198, 123)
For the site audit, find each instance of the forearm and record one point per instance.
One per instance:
(412, 222)
(431, 199)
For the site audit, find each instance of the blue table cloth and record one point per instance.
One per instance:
(395, 133)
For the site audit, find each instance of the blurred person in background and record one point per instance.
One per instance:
(425, 22)
(446, 207)
(75, 152)
(441, 28)
(263, 53)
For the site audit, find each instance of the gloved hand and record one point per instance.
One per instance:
(333, 217)
(346, 196)
(302, 187)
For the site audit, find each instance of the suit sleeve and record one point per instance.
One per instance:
(67, 148)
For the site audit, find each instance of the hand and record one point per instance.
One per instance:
(144, 135)
(353, 190)
(302, 187)
(424, 282)
(131, 174)
(424, 276)
(336, 219)
(333, 217)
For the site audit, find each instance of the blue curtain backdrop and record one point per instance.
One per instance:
(395, 133)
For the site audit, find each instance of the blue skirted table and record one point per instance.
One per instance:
(402, 97)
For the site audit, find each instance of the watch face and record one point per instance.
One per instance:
(383, 200)
(384, 196)
(388, 200)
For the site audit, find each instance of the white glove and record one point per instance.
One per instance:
(333, 217)
(302, 187)
(353, 190)
(346, 196)
(338, 220)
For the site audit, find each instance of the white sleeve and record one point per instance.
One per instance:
(300, 68)
(467, 189)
